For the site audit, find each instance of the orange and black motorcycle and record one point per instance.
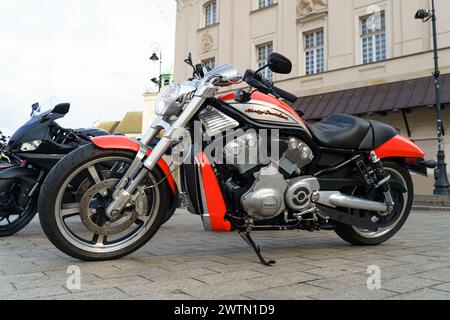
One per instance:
(247, 162)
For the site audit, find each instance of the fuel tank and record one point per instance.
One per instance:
(266, 109)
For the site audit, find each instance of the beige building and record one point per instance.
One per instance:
(130, 125)
(364, 57)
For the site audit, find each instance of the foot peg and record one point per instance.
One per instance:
(247, 238)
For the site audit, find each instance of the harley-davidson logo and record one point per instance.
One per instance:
(267, 113)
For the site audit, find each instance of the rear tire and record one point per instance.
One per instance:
(49, 200)
(359, 237)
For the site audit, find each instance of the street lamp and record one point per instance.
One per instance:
(442, 186)
(155, 58)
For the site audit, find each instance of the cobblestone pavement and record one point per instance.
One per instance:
(184, 262)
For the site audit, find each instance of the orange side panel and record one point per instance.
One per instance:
(399, 147)
(214, 198)
(124, 143)
(269, 99)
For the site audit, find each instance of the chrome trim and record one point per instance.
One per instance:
(336, 199)
(127, 189)
(206, 218)
(216, 122)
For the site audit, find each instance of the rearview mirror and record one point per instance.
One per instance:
(62, 108)
(279, 63)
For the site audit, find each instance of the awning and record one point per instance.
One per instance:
(374, 99)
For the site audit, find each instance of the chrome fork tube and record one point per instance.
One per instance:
(127, 187)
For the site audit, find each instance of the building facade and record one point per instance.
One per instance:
(364, 57)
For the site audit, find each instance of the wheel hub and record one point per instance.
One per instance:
(92, 210)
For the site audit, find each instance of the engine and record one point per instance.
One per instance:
(265, 199)
(278, 184)
(271, 194)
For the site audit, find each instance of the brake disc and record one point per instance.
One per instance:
(101, 192)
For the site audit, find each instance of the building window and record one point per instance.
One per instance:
(314, 52)
(210, 13)
(263, 52)
(264, 3)
(210, 63)
(373, 37)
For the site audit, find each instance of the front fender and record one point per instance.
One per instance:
(124, 143)
(399, 147)
(17, 172)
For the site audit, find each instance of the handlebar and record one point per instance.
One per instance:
(285, 95)
(266, 86)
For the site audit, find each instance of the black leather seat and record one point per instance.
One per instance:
(348, 132)
(380, 133)
(341, 132)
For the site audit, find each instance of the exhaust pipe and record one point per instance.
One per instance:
(336, 199)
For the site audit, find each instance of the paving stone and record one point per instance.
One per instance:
(357, 293)
(339, 270)
(442, 274)
(184, 262)
(34, 293)
(289, 292)
(158, 289)
(217, 278)
(443, 287)
(407, 284)
(424, 294)
(168, 275)
(331, 262)
(341, 282)
(105, 294)
(6, 287)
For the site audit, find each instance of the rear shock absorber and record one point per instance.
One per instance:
(382, 180)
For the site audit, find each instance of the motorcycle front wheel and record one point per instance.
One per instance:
(14, 216)
(78, 190)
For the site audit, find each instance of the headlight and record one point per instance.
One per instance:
(170, 100)
(166, 103)
(30, 146)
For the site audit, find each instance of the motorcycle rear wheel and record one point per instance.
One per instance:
(80, 239)
(390, 225)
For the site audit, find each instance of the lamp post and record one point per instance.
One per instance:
(157, 49)
(442, 185)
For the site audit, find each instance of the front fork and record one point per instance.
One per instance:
(128, 185)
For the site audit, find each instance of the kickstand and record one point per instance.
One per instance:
(247, 238)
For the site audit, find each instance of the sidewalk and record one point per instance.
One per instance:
(184, 262)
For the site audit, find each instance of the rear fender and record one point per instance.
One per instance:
(124, 143)
(399, 147)
(403, 149)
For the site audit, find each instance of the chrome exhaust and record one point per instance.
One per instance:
(336, 199)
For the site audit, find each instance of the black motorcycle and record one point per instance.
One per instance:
(27, 157)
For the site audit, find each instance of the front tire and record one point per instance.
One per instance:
(67, 186)
(12, 220)
(388, 229)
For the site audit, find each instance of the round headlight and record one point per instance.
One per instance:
(167, 97)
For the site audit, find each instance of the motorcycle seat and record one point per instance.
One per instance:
(380, 133)
(341, 132)
(349, 132)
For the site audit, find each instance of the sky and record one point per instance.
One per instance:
(91, 53)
